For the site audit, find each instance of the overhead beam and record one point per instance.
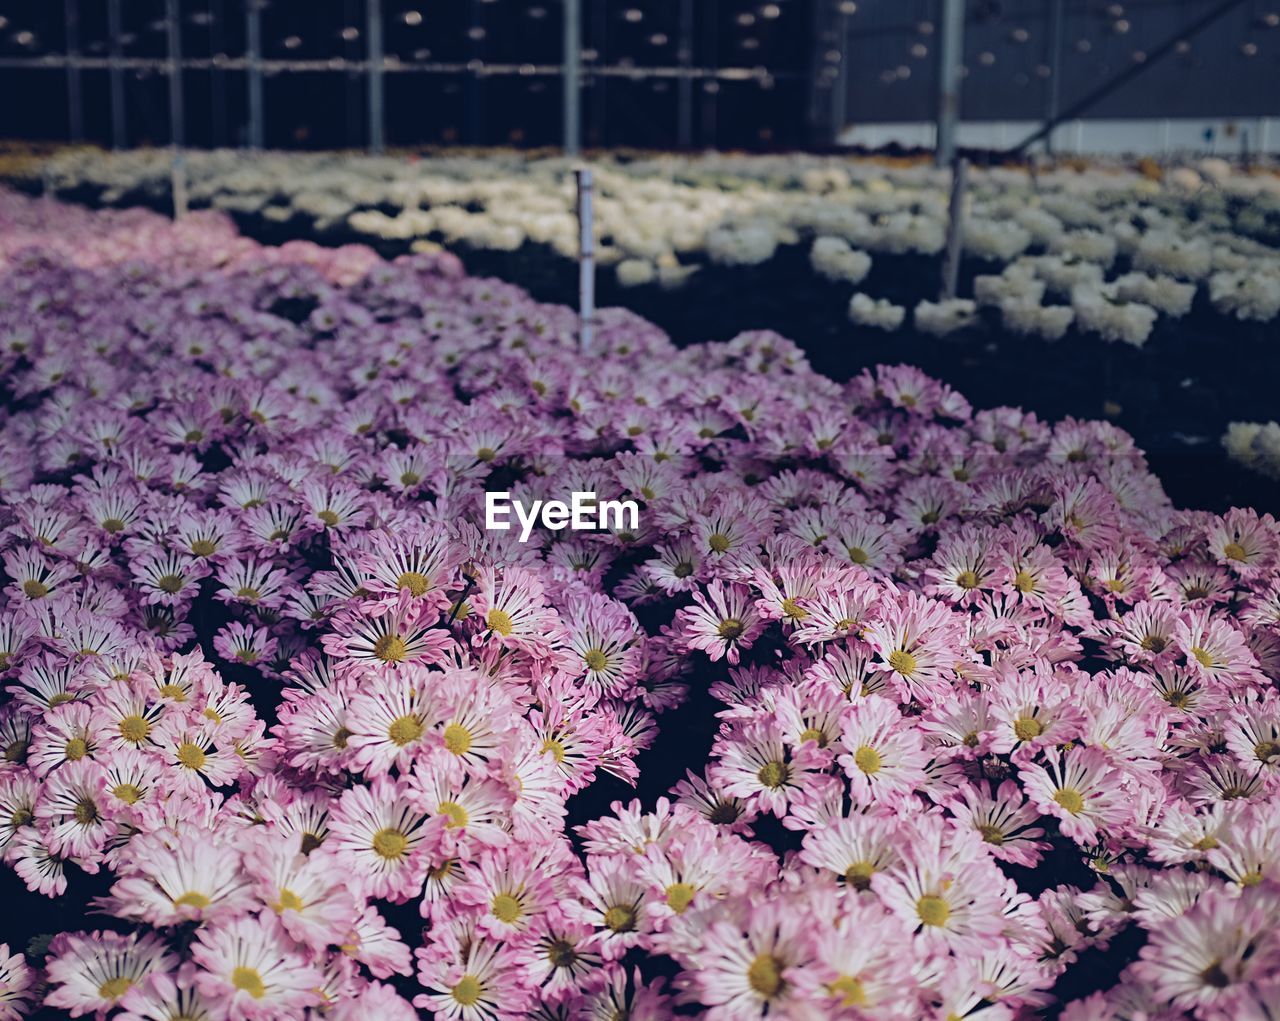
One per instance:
(1127, 75)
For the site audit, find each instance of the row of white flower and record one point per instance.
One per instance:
(1256, 445)
(1057, 235)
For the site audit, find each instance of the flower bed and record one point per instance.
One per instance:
(1100, 290)
(929, 712)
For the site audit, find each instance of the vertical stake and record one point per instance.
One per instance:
(75, 111)
(253, 55)
(684, 89)
(115, 74)
(955, 230)
(177, 113)
(373, 39)
(949, 63)
(586, 259)
(572, 77)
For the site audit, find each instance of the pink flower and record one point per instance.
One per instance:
(250, 970)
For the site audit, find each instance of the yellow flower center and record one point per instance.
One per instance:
(415, 582)
(404, 730)
(991, 834)
(1203, 656)
(328, 517)
(719, 542)
(1234, 551)
(203, 548)
(680, 896)
(499, 621)
(595, 659)
(129, 793)
(76, 749)
(35, 589)
(457, 739)
(390, 648)
(1023, 582)
(731, 629)
(902, 662)
(134, 729)
(858, 875)
(468, 992)
(289, 901)
(867, 759)
(505, 908)
(1070, 799)
(967, 579)
(192, 899)
(456, 814)
(933, 910)
(191, 755)
(620, 918)
(113, 525)
(857, 554)
(1027, 728)
(793, 610)
(248, 980)
(773, 774)
(340, 738)
(764, 975)
(114, 988)
(850, 991)
(86, 811)
(814, 735)
(561, 953)
(170, 583)
(390, 844)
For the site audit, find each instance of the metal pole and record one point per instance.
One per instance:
(949, 61)
(1129, 73)
(115, 75)
(75, 112)
(374, 34)
(217, 78)
(955, 230)
(684, 89)
(572, 77)
(253, 52)
(711, 59)
(1054, 96)
(586, 259)
(841, 85)
(177, 113)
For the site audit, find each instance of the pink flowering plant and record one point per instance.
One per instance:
(931, 712)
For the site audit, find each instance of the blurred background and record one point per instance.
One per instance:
(670, 74)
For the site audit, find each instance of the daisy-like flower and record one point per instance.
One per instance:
(1003, 819)
(388, 637)
(390, 718)
(1208, 956)
(249, 970)
(468, 806)
(75, 811)
(513, 611)
(1080, 788)
(381, 838)
(92, 972)
(945, 888)
(306, 892)
(756, 765)
(723, 622)
(1214, 648)
(472, 981)
(167, 882)
(916, 642)
(611, 900)
(854, 848)
(884, 758)
(603, 638)
(17, 982)
(746, 971)
(1244, 541)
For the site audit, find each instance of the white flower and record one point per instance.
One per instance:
(943, 317)
(1165, 294)
(880, 313)
(833, 258)
(1100, 310)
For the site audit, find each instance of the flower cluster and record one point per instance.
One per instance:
(988, 705)
(1207, 227)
